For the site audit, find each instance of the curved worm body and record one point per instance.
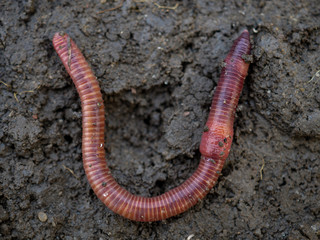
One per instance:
(215, 143)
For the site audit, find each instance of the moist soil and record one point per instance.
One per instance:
(158, 63)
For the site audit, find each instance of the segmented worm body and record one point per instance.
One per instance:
(215, 143)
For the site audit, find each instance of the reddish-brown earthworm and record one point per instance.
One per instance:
(214, 147)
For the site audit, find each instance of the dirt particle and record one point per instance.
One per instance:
(247, 58)
(258, 233)
(3, 214)
(223, 64)
(5, 229)
(316, 228)
(211, 160)
(42, 216)
(270, 188)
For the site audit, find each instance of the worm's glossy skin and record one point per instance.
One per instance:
(214, 147)
(217, 137)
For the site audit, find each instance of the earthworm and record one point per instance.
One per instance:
(214, 147)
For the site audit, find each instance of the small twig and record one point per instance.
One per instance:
(6, 84)
(140, 1)
(29, 91)
(317, 74)
(15, 96)
(111, 9)
(166, 7)
(190, 236)
(71, 171)
(261, 169)
(9, 86)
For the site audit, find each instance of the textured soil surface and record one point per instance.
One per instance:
(158, 63)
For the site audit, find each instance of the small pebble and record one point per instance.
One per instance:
(42, 216)
(258, 233)
(270, 188)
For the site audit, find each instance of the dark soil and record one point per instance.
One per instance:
(158, 68)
